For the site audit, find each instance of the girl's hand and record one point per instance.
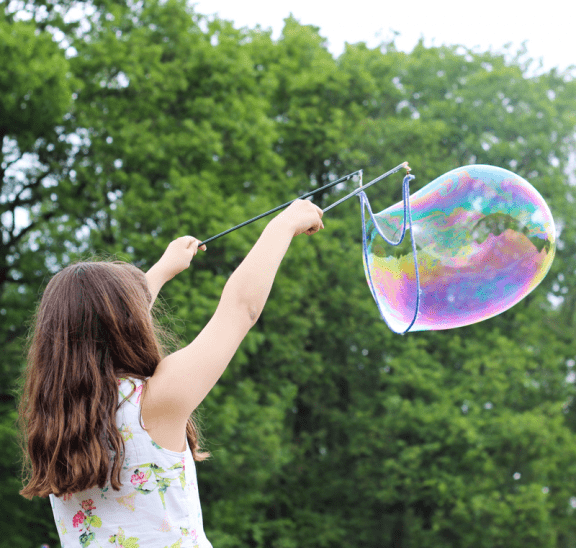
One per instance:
(302, 216)
(178, 255)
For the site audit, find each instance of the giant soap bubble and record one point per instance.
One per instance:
(483, 239)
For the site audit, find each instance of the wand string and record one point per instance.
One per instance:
(363, 187)
(326, 186)
(364, 203)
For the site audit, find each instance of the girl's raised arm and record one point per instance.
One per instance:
(183, 379)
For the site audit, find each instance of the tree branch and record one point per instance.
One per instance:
(9, 164)
(44, 217)
(19, 202)
(2, 170)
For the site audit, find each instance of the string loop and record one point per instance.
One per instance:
(364, 203)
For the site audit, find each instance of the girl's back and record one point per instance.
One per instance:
(158, 503)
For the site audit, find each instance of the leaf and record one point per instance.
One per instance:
(94, 521)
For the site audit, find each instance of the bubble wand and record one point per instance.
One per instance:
(311, 193)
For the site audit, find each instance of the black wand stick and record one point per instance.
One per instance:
(341, 180)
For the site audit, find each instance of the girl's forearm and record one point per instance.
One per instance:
(251, 282)
(156, 278)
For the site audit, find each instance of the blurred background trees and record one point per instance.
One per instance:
(127, 124)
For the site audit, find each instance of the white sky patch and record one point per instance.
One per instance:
(538, 217)
(477, 203)
(547, 31)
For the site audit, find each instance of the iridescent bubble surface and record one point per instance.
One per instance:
(485, 238)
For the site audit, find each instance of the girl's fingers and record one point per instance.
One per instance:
(191, 241)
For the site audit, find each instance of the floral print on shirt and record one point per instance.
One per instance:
(150, 477)
(121, 541)
(84, 520)
(126, 432)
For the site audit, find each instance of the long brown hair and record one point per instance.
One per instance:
(91, 327)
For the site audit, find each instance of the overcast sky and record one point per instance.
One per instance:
(548, 26)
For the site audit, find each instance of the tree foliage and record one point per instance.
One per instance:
(153, 121)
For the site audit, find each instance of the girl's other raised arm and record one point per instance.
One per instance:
(176, 258)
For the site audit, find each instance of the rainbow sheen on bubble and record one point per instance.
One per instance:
(485, 238)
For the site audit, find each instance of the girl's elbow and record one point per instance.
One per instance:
(254, 312)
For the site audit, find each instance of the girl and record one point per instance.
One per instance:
(106, 418)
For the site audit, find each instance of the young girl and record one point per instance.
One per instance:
(106, 418)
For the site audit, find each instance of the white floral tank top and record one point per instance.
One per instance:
(158, 505)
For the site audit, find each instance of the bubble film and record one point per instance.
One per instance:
(484, 238)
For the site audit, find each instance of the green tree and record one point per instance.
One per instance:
(35, 93)
(398, 438)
